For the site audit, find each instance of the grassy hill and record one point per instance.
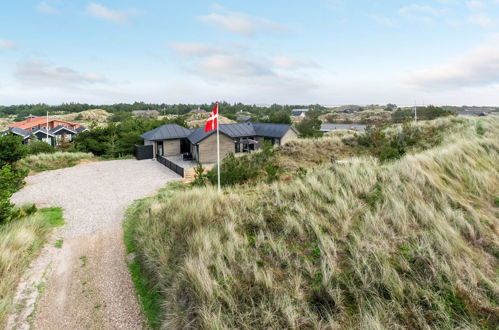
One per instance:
(411, 243)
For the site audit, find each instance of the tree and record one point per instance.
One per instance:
(311, 125)
(11, 149)
(279, 117)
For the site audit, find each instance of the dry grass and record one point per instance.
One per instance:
(4, 122)
(53, 161)
(361, 117)
(308, 153)
(194, 120)
(407, 244)
(99, 117)
(20, 240)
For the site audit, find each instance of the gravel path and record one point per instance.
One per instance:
(86, 283)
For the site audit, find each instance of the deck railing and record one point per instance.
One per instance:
(171, 165)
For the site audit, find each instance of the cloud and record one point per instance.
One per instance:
(230, 66)
(481, 19)
(40, 74)
(116, 16)
(421, 12)
(240, 23)
(477, 68)
(476, 5)
(192, 48)
(383, 20)
(44, 7)
(419, 9)
(7, 44)
(286, 62)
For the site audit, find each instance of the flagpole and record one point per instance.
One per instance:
(218, 145)
(47, 129)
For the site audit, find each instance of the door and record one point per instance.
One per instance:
(159, 148)
(184, 146)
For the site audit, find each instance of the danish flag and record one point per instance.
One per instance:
(212, 122)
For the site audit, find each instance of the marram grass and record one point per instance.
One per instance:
(52, 161)
(20, 241)
(407, 244)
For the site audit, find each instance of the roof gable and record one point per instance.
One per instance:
(166, 132)
(18, 131)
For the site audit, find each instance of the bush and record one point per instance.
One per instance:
(11, 180)
(243, 169)
(37, 147)
(11, 149)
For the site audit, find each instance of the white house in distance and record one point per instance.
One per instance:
(299, 112)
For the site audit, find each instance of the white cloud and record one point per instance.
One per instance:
(240, 23)
(192, 48)
(116, 16)
(415, 9)
(383, 20)
(476, 5)
(286, 62)
(40, 74)
(481, 19)
(7, 44)
(477, 68)
(44, 7)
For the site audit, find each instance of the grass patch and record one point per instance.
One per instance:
(149, 295)
(58, 243)
(52, 161)
(20, 241)
(53, 215)
(410, 243)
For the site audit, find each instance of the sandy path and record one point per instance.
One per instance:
(86, 283)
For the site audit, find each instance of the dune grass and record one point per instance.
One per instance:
(406, 244)
(20, 241)
(52, 161)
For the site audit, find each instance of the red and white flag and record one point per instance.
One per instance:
(212, 122)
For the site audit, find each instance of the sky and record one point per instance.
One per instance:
(328, 52)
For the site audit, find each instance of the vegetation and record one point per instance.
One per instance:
(38, 147)
(246, 168)
(116, 140)
(424, 113)
(52, 161)
(11, 149)
(20, 241)
(311, 125)
(410, 243)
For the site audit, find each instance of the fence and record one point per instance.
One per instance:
(171, 165)
(143, 152)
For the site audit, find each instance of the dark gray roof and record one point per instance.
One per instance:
(61, 127)
(231, 130)
(18, 131)
(81, 129)
(271, 130)
(243, 130)
(41, 130)
(167, 132)
(297, 112)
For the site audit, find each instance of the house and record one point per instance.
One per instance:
(335, 127)
(299, 112)
(243, 118)
(172, 139)
(36, 127)
(198, 110)
(145, 113)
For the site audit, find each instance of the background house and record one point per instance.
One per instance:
(50, 130)
(299, 112)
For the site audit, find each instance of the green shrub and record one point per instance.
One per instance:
(11, 149)
(11, 180)
(38, 147)
(246, 168)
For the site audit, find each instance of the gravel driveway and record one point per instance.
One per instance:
(86, 282)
